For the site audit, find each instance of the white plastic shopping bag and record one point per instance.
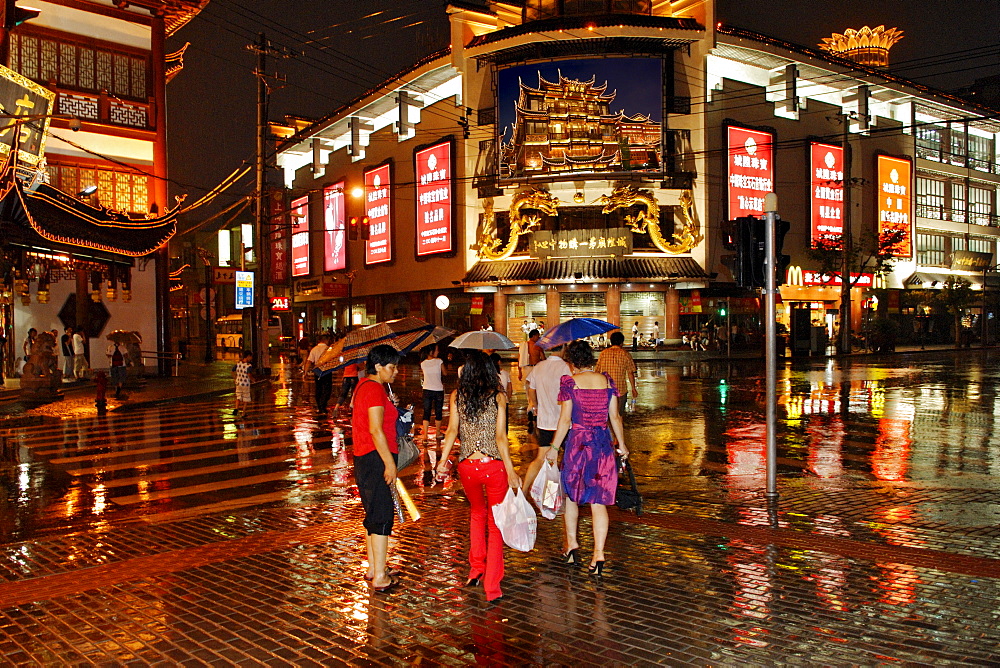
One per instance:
(516, 520)
(547, 491)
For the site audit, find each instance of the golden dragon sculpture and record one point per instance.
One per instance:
(540, 202)
(647, 221)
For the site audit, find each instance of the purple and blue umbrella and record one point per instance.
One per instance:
(573, 329)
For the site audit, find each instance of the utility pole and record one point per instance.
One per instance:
(771, 343)
(261, 310)
(846, 243)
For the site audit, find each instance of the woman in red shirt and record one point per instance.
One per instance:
(374, 430)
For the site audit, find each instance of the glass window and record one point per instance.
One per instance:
(981, 245)
(930, 250)
(81, 66)
(524, 312)
(929, 141)
(930, 198)
(125, 191)
(980, 205)
(980, 152)
(645, 308)
(958, 202)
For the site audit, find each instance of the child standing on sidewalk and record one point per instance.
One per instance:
(241, 374)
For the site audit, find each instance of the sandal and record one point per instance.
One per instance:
(386, 588)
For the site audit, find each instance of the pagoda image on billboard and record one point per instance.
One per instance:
(567, 126)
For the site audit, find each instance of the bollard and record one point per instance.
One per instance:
(101, 384)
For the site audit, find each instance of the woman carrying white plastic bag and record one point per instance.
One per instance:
(547, 491)
(477, 413)
(516, 520)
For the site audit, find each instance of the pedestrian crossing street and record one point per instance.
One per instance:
(178, 460)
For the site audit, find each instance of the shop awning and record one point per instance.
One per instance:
(667, 269)
(934, 280)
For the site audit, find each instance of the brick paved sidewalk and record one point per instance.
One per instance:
(284, 585)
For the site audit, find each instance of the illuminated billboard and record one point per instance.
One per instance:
(580, 116)
(334, 228)
(749, 170)
(378, 186)
(895, 216)
(826, 194)
(435, 191)
(300, 237)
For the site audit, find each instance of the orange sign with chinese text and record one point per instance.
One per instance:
(895, 212)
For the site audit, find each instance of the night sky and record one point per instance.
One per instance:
(212, 102)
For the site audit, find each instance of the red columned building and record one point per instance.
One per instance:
(85, 227)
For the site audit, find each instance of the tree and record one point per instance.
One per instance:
(956, 296)
(870, 253)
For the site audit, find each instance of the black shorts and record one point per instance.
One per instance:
(376, 498)
(433, 401)
(545, 437)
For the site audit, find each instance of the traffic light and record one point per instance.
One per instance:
(723, 309)
(352, 229)
(366, 228)
(781, 262)
(749, 266)
(14, 16)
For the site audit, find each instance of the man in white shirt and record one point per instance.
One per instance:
(324, 381)
(543, 398)
(79, 354)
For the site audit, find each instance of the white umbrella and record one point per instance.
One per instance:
(483, 340)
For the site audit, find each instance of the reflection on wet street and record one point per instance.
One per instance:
(183, 530)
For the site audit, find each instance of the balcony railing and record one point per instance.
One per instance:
(105, 109)
(935, 212)
(937, 153)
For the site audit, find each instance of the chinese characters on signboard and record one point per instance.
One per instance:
(894, 202)
(244, 289)
(279, 238)
(826, 184)
(378, 186)
(334, 228)
(300, 237)
(616, 242)
(281, 304)
(749, 170)
(435, 185)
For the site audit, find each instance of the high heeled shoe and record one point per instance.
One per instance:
(596, 568)
(474, 581)
(571, 558)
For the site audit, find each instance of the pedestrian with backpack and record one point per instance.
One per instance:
(118, 370)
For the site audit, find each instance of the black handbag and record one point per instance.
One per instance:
(627, 495)
(408, 451)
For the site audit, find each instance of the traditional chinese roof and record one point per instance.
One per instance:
(581, 160)
(47, 215)
(175, 62)
(668, 269)
(589, 22)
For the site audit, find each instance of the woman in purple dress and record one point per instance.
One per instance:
(589, 471)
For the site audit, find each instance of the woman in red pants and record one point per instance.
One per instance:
(477, 415)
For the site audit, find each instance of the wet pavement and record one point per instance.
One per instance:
(171, 531)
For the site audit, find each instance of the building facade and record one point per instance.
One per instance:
(86, 247)
(586, 160)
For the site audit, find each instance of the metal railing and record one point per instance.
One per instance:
(160, 355)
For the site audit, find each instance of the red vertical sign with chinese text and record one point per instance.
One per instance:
(750, 170)
(895, 203)
(300, 237)
(279, 238)
(435, 188)
(378, 187)
(826, 196)
(334, 226)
